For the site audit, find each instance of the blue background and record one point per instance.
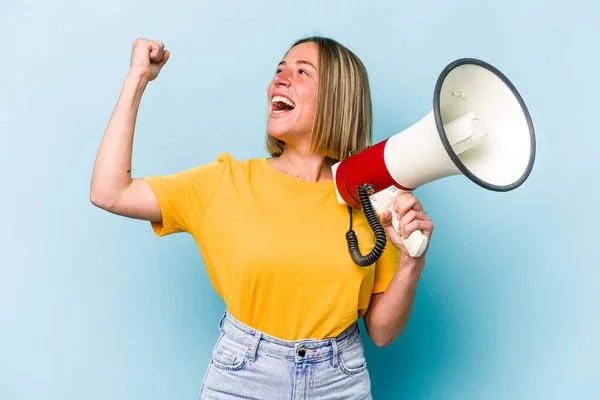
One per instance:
(94, 306)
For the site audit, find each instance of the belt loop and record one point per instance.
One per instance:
(221, 321)
(335, 351)
(254, 346)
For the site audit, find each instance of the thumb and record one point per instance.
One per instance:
(165, 57)
(156, 53)
(392, 234)
(386, 222)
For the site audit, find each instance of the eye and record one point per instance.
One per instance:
(278, 71)
(302, 72)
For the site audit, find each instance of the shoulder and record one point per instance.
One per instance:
(224, 162)
(228, 161)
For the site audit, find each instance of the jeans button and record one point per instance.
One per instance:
(301, 352)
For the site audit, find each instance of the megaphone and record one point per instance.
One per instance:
(479, 127)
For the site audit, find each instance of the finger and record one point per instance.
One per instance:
(405, 202)
(413, 214)
(156, 53)
(425, 226)
(165, 57)
(409, 217)
(386, 218)
(392, 234)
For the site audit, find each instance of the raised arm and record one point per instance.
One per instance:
(112, 187)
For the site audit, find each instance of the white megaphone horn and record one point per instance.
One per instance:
(479, 127)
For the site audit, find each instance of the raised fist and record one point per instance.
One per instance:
(147, 58)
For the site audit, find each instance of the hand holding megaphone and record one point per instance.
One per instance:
(479, 127)
(402, 205)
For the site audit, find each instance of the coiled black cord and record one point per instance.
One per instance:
(380, 237)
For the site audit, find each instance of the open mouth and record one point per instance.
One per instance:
(282, 104)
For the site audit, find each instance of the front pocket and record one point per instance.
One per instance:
(229, 354)
(352, 359)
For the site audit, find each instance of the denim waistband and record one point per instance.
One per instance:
(298, 350)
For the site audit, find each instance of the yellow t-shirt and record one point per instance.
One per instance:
(274, 246)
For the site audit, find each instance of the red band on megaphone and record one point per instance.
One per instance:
(366, 167)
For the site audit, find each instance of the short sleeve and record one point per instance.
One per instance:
(386, 267)
(183, 197)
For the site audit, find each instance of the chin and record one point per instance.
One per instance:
(286, 132)
(275, 134)
(278, 132)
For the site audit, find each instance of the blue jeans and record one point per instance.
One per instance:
(248, 364)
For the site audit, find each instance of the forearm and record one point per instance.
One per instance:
(112, 168)
(388, 316)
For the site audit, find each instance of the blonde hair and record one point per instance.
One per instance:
(343, 117)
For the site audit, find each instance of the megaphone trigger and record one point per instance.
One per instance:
(416, 242)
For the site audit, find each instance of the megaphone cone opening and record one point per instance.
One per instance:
(469, 85)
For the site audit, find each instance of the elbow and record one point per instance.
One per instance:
(382, 333)
(94, 199)
(101, 200)
(382, 342)
(381, 337)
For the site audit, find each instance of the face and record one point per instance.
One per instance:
(292, 94)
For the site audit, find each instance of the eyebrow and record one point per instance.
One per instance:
(300, 62)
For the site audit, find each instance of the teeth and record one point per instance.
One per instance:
(280, 99)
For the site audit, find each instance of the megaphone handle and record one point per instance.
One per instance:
(415, 243)
(383, 200)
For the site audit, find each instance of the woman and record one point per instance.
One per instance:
(271, 231)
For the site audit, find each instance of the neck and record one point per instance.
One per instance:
(303, 165)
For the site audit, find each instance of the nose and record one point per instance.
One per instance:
(282, 79)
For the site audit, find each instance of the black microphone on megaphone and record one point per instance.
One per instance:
(479, 127)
